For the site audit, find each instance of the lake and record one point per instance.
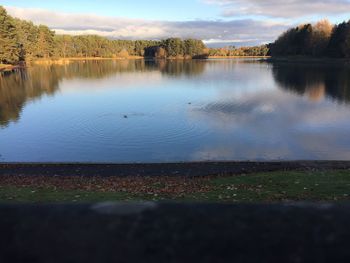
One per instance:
(158, 111)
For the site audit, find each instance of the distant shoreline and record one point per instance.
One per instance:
(4, 68)
(292, 59)
(228, 57)
(60, 61)
(309, 60)
(67, 60)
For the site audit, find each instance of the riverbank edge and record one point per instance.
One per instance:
(60, 61)
(4, 67)
(65, 61)
(68, 60)
(230, 57)
(308, 60)
(279, 186)
(186, 169)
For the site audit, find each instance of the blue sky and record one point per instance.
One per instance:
(155, 9)
(238, 22)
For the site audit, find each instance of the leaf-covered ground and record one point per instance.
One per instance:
(261, 187)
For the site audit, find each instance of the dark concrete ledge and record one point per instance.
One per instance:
(167, 169)
(151, 232)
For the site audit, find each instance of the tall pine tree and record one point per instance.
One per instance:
(339, 45)
(9, 48)
(46, 44)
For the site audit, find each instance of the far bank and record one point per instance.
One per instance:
(308, 60)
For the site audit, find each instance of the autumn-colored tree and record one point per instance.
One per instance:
(321, 36)
(306, 40)
(160, 52)
(64, 45)
(239, 51)
(123, 54)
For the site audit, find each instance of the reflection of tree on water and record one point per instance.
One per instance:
(18, 87)
(104, 68)
(181, 67)
(315, 81)
(24, 85)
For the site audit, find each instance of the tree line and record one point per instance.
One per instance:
(21, 40)
(232, 51)
(319, 40)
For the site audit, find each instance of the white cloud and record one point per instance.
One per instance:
(239, 32)
(301, 129)
(282, 9)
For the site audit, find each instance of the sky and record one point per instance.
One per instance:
(217, 22)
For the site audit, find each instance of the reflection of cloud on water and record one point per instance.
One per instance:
(275, 125)
(240, 151)
(234, 78)
(333, 145)
(275, 105)
(119, 80)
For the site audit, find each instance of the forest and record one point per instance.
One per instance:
(322, 39)
(232, 51)
(21, 40)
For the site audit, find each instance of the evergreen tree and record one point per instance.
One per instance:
(22, 40)
(27, 34)
(45, 45)
(174, 47)
(9, 47)
(339, 45)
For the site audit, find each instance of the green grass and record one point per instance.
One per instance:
(262, 187)
(281, 186)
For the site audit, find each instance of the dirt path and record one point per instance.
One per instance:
(165, 169)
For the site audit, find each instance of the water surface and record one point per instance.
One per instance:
(157, 111)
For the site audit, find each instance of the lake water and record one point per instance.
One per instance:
(157, 111)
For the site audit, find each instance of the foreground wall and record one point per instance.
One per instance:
(150, 232)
